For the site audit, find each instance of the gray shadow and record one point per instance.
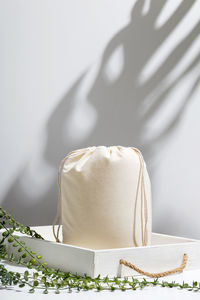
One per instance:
(121, 104)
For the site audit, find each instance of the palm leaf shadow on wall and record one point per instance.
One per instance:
(121, 105)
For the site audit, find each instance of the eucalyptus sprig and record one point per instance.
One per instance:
(47, 279)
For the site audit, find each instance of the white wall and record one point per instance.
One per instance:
(79, 73)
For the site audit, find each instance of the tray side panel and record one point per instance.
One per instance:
(152, 259)
(60, 256)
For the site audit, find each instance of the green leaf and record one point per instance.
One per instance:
(32, 261)
(39, 256)
(35, 282)
(29, 265)
(11, 257)
(20, 249)
(21, 285)
(5, 233)
(15, 245)
(10, 239)
(194, 283)
(24, 255)
(26, 273)
(35, 275)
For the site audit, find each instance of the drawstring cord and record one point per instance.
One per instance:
(141, 189)
(58, 213)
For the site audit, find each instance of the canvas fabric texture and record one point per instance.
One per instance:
(105, 198)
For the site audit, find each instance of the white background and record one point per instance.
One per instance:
(100, 72)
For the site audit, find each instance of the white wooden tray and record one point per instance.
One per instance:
(166, 252)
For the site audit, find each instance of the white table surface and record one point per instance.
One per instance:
(147, 293)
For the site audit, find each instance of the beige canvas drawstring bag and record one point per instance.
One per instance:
(104, 198)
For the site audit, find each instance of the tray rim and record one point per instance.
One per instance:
(183, 241)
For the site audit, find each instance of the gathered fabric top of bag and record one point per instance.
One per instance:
(98, 186)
